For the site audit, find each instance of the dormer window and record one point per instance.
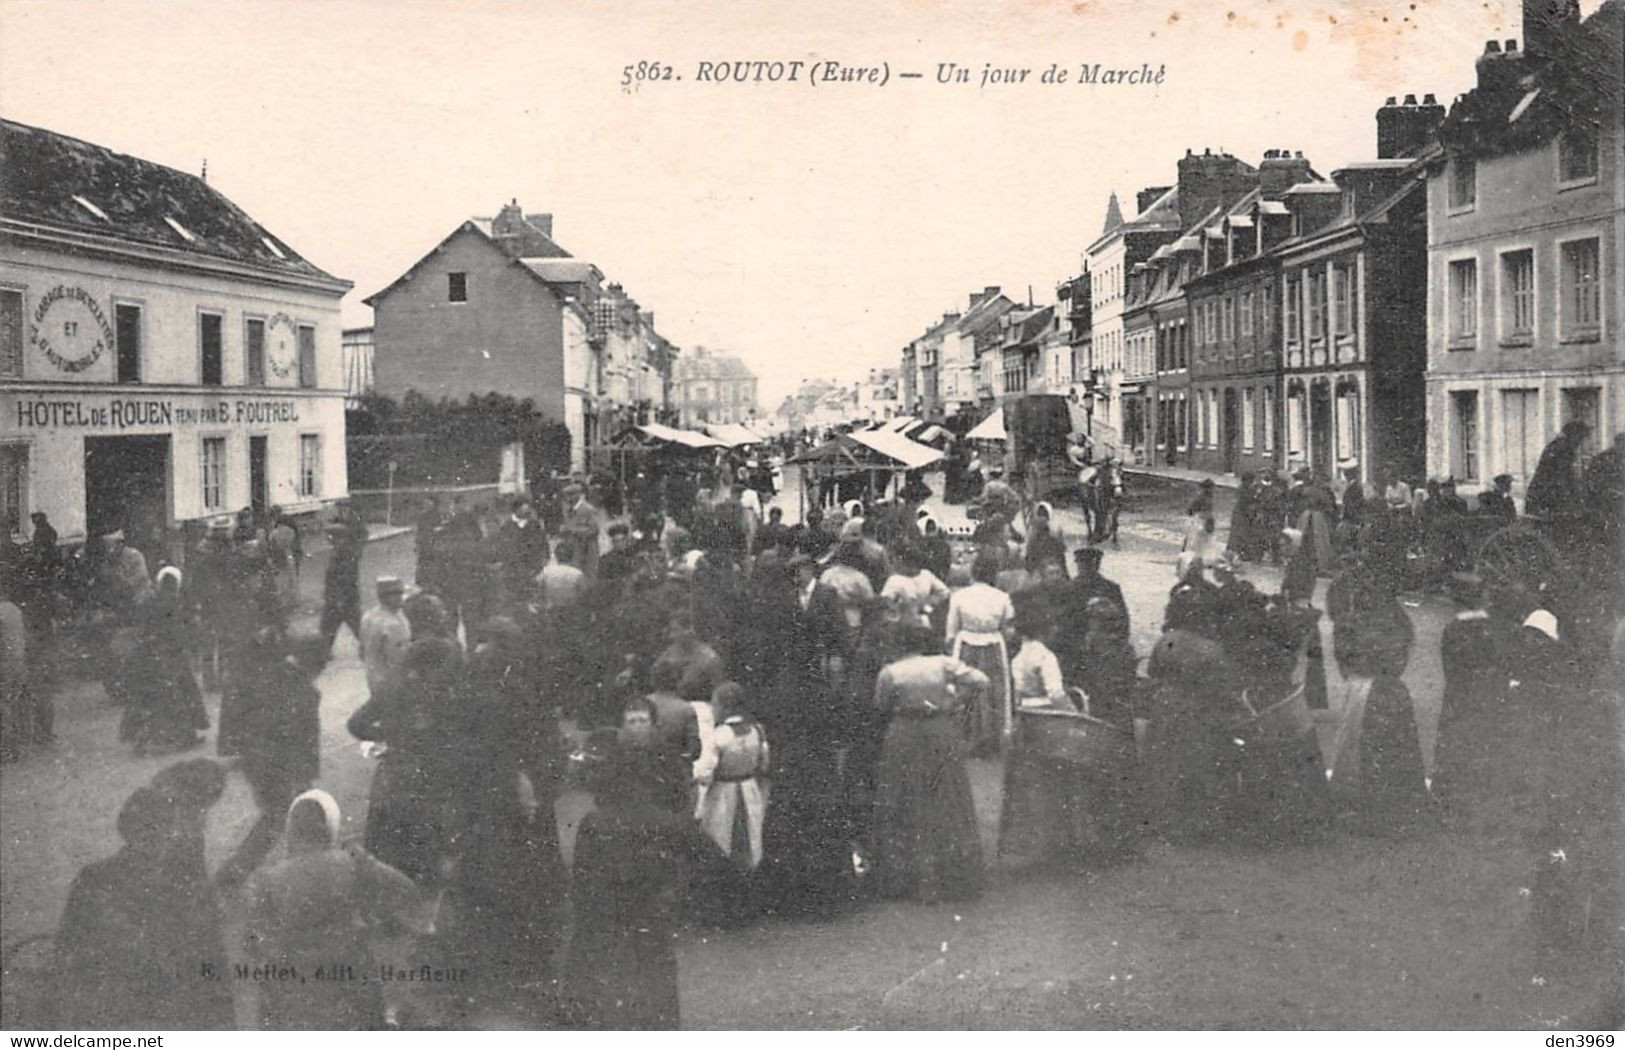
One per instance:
(186, 235)
(1463, 185)
(1577, 156)
(102, 215)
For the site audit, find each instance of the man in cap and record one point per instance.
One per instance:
(385, 635)
(522, 548)
(1353, 506)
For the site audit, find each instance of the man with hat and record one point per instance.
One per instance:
(1498, 500)
(1471, 654)
(1089, 583)
(150, 901)
(341, 592)
(385, 635)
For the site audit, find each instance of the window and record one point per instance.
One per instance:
(1317, 306)
(1520, 432)
(1246, 313)
(1249, 418)
(254, 351)
(1289, 310)
(457, 287)
(210, 349)
(1463, 192)
(11, 332)
(1268, 411)
(1342, 301)
(1464, 453)
(307, 355)
(13, 488)
(214, 473)
(127, 334)
(1294, 423)
(1518, 295)
(1577, 155)
(1464, 300)
(1582, 289)
(310, 465)
(1348, 424)
(1228, 323)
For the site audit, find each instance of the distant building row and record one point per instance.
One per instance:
(1441, 309)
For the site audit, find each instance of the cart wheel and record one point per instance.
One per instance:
(1519, 557)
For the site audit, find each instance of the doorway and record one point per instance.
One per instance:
(1320, 429)
(257, 497)
(127, 487)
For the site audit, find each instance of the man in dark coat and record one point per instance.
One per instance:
(1089, 583)
(280, 738)
(1472, 653)
(1498, 500)
(140, 943)
(341, 593)
(522, 549)
(1554, 491)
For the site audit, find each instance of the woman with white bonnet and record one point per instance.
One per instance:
(318, 912)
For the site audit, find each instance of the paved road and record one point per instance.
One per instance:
(1351, 932)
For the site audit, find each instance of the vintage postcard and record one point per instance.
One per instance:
(866, 514)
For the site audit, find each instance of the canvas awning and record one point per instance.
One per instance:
(686, 438)
(870, 450)
(911, 454)
(733, 434)
(989, 429)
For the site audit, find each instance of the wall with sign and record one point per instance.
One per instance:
(71, 323)
(301, 475)
(68, 388)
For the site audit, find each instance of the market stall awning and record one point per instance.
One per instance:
(870, 450)
(733, 434)
(686, 438)
(911, 454)
(989, 429)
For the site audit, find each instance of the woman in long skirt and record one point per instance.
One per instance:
(165, 711)
(979, 617)
(734, 804)
(926, 841)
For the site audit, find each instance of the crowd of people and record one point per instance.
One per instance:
(783, 720)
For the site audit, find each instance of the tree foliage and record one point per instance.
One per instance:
(448, 442)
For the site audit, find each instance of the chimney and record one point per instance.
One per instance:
(508, 220)
(1209, 179)
(1498, 70)
(542, 220)
(1148, 196)
(1545, 23)
(1277, 173)
(1405, 130)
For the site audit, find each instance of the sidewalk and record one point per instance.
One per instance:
(1195, 477)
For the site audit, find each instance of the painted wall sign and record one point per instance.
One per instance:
(281, 346)
(69, 328)
(127, 413)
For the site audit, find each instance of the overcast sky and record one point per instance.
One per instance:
(811, 230)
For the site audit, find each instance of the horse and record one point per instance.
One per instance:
(1102, 486)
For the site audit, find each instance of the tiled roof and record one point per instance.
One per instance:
(1580, 85)
(562, 271)
(67, 184)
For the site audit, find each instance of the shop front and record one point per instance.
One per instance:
(151, 460)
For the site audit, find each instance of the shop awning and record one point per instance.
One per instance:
(989, 429)
(870, 450)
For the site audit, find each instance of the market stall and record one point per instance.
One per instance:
(860, 465)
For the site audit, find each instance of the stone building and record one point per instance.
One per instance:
(709, 387)
(164, 358)
(1526, 254)
(499, 306)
